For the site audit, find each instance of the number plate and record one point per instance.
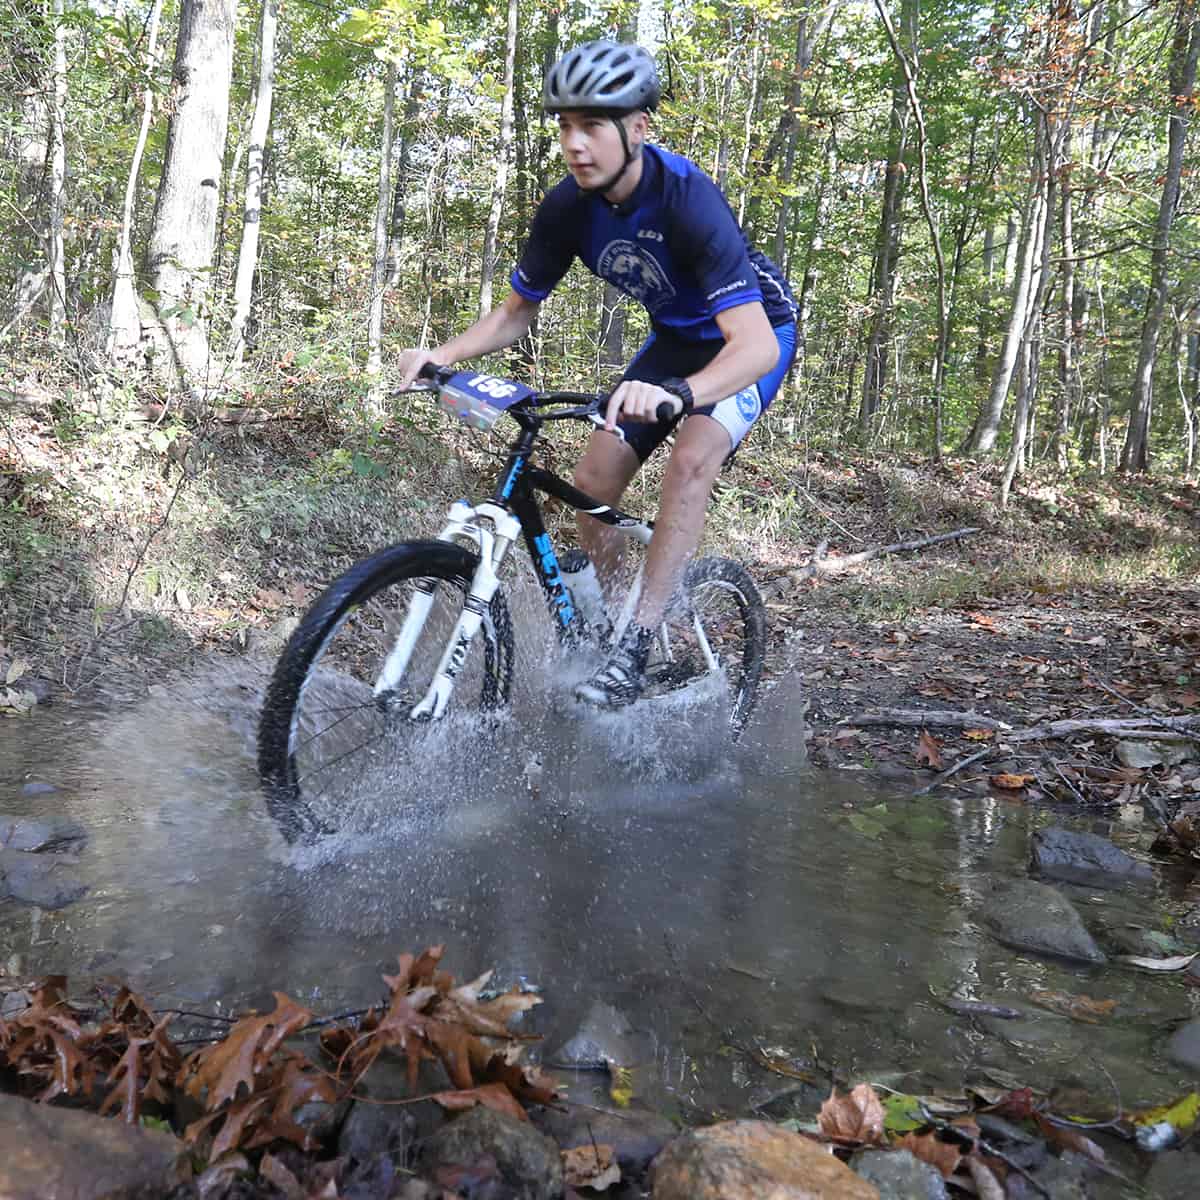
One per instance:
(478, 399)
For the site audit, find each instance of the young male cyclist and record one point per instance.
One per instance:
(722, 318)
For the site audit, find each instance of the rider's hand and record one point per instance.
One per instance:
(635, 401)
(411, 362)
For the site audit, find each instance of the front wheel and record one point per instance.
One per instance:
(716, 624)
(328, 731)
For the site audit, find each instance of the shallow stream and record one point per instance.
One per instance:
(712, 897)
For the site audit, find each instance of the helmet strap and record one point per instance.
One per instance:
(609, 184)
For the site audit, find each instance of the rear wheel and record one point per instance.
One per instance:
(326, 735)
(717, 624)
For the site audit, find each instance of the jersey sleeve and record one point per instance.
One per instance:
(706, 236)
(550, 250)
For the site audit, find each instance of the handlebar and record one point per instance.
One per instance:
(586, 403)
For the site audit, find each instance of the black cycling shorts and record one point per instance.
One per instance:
(664, 356)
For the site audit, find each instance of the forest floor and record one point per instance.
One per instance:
(1079, 600)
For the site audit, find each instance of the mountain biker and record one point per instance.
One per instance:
(722, 317)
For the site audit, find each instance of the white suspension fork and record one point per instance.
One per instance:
(492, 529)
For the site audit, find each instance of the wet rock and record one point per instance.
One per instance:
(1064, 1178)
(32, 879)
(1184, 1046)
(1086, 858)
(49, 1153)
(526, 1160)
(35, 787)
(753, 1160)
(604, 1038)
(322, 1121)
(1033, 916)
(900, 1175)
(635, 1134)
(39, 837)
(1174, 1176)
(374, 1131)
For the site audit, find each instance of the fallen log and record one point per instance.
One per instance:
(945, 718)
(822, 567)
(1149, 728)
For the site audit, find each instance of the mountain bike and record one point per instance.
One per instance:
(423, 628)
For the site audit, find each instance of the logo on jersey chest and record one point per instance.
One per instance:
(650, 235)
(636, 272)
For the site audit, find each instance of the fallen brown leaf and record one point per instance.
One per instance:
(1078, 1008)
(930, 1149)
(979, 735)
(929, 751)
(592, 1166)
(857, 1117)
(1010, 783)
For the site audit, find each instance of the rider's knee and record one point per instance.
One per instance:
(598, 479)
(695, 465)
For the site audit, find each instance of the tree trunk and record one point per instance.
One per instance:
(1066, 399)
(260, 125)
(816, 243)
(56, 256)
(379, 264)
(887, 243)
(185, 216)
(408, 135)
(1181, 81)
(1026, 277)
(32, 150)
(124, 323)
(500, 172)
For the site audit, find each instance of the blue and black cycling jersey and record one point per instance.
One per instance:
(673, 245)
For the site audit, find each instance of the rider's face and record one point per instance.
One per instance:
(591, 144)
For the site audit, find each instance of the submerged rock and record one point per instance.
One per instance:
(1033, 916)
(511, 1150)
(37, 787)
(604, 1038)
(32, 879)
(49, 1153)
(1184, 1046)
(1086, 858)
(753, 1160)
(1174, 1176)
(900, 1175)
(635, 1134)
(40, 837)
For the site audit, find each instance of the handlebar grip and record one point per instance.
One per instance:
(668, 410)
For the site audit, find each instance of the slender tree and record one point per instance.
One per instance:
(500, 171)
(260, 124)
(1181, 84)
(124, 324)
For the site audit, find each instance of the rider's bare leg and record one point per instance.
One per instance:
(604, 472)
(701, 447)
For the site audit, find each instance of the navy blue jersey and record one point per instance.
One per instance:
(674, 245)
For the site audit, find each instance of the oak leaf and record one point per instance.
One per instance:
(1078, 1008)
(856, 1117)
(221, 1069)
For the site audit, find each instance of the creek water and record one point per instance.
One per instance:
(714, 896)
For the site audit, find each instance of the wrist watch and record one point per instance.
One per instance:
(680, 388)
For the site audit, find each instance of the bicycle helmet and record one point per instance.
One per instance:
(604, 76)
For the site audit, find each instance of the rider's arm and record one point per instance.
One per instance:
(508, 322)
(750, 351)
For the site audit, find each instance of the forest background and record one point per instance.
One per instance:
(233, 216)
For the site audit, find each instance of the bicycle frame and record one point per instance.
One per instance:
(492, 528)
